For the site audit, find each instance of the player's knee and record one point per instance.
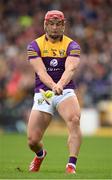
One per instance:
(75, 120)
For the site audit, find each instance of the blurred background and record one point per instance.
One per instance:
(89, 22)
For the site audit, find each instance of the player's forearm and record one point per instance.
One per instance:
(40, 69)
(66, 77)
(70, 68)
(46, 79)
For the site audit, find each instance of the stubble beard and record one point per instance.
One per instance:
(55, 36)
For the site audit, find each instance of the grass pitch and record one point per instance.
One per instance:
(94, 162)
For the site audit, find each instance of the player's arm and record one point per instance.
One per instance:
(34, 57)
(40, 69)
(71, 65)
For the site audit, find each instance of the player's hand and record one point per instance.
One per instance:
(57, 89)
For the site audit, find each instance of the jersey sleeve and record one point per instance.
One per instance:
(33, 50)
(73, 49)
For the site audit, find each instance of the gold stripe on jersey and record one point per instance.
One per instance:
(75, 52)
(49, 49)
(29, 53)
(32, 53)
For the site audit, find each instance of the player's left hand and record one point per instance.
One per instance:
(58, 89)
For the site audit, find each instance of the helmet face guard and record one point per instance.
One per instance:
(55, 17)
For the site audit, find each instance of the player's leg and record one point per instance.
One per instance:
(69, 110)
(38, 123)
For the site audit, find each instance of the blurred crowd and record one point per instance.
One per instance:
(89, 22)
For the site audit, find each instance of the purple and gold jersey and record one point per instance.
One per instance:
(53, 56)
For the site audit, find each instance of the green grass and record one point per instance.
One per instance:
(94, 162)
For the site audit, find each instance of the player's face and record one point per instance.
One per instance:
(55, 28)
